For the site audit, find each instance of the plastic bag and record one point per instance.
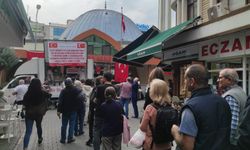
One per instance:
(137, 139)
(126, 130)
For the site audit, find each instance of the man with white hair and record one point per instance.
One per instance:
(19, 91)
(236, 98)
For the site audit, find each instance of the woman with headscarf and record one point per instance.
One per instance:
(35, 105)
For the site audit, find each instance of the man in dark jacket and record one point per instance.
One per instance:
(244, 128)
(205, 117)
(100, 98)
(69, 103)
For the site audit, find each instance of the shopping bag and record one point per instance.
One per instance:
(137, 139)
(126, 130)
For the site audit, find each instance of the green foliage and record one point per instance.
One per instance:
(8, 58)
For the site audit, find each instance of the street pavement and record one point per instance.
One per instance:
(51, 134)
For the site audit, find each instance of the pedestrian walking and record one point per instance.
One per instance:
(81, 110)
(69, 103)
(205, 117)
(35, 106)
(156, 73)
(100, 98)
(125, 94)
(112, 126)
(134, 97)
(236, 98)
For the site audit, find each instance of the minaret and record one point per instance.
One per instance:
(164, 14)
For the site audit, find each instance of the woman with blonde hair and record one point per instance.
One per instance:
(160, 96)
(81, 111)
(156, 73)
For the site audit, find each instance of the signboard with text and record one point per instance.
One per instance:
(236, 44)
(66, 53)
(182, 53)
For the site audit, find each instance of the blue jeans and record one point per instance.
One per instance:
(97, 132)
(125, 102)
(80, 120)
(68, 118)
(29, 125)
(134, 103)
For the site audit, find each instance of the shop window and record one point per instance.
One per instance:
(191, 9)
(90, 49)
(106, 50)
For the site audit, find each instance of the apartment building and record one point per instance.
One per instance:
(220, 39)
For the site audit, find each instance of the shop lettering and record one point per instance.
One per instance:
(225, 47)
(177, 53)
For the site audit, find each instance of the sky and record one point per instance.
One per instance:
(59, 11)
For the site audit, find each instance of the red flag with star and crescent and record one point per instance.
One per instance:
(121, 72)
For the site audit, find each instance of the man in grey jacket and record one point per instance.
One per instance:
(236, 98)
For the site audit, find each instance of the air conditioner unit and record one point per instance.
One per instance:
(212, 13)
(218, 10)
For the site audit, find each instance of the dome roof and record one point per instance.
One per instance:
(106, 21)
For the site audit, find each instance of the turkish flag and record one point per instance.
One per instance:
(121, 72)
(123, 24)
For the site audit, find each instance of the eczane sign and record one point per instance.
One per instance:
(236, 44)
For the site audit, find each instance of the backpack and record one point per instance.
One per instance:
(165, 118)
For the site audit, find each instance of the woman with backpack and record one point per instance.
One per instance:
(156, 73)
(35, 106)
(157, 124)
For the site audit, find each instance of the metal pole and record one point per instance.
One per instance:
(37, 9)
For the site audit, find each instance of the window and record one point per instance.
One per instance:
(191, 9)
(90, 49)
(106, 50)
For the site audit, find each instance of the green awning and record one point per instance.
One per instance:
(154, 45)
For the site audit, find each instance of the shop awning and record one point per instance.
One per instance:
(154, 45)
(121, 56)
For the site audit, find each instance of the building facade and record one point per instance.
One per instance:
(219, 40)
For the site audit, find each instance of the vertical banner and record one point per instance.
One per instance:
(121, 72)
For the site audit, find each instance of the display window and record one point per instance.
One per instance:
(235, 63)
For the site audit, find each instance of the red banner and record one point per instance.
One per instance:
(121, 72)
(30, 55)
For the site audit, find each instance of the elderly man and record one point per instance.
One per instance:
(205, 117)
(19, 91)
(236, 98)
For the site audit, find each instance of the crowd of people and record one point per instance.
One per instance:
(208, 120)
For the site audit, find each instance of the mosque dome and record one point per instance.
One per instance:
(106, 21)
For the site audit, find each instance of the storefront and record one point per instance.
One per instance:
(225, 51)
(180, 58)
(228, 51)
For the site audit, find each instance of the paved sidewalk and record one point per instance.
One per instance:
(51, 135)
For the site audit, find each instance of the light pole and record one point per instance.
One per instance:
(38, 6)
